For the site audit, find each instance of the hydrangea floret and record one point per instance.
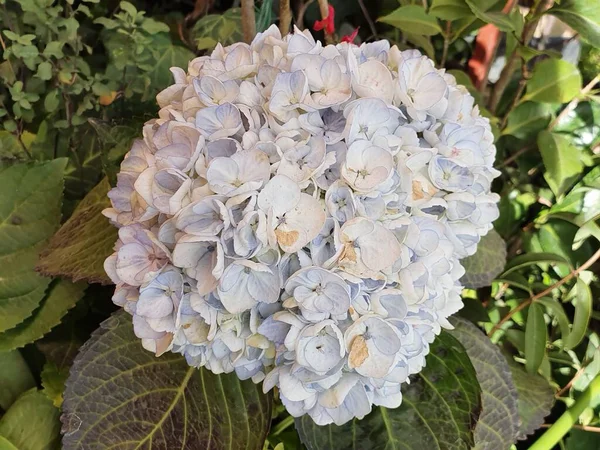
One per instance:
(297, 213)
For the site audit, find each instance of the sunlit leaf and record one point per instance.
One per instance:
(413, 19)
(581, 15)
(553, 81)
(582, 301)
(561, 160)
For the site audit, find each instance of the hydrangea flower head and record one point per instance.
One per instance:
(297, 214)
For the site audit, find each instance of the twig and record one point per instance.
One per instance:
(516, 155)
(446, 43)
(570, 383)
(248, 21)
(301, 12)
(573, 104)
(545, 292)
(509, 68)
(324, 9)
(517, 97)
(365, 12)
(285, 17)
(579, 427)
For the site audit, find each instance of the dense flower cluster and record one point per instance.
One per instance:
(296, 214)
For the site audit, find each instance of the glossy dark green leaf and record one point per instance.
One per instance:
(528, 259)
(581, 15)
(536, 335)
(527, 119)
(536, 398)
(583, 303)
(556, 310)
(489, 260)
(553, 81)
(413, 19)
(439, 410)
(582, 440)
(30, 201)
(15, 378)
(498, 424)
(561, 160)
(31, 423)
(80, 246)
(504, 22)
(158, 403)
(450, 9)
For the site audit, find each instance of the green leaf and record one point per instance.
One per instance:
(152, 26)
(413, 19)
(10, 148)
(536, 335)
(450, 9)
(115, 382)
(528, 119)
(170, 56)
(529, 259)
(61, 297)
(15, 378)
(54, 49)
(561, 160)
(498, 424)
(553, 81)
(31, 423)
(53, 382)
(504, 22)
(52, 100)
(582, 440)
(536, 398)
(489, 260)
(581, 15)
(225, 28)
(555, 309)
(583, 304)
(439, 410)
(30, 201)
(80, 246)
(44, 71)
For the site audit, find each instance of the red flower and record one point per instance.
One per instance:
(349, 38)
(327, 23)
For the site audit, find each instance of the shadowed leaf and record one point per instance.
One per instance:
(159, 403)
(439, 410)
(498, 424)
(489, 260)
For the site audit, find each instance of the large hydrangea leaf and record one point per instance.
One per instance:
(489, 260)
(498, 424)
(81, 245)
(536, 398)
(30, 201)
(439, 410)
(120, 394)
(62, 296)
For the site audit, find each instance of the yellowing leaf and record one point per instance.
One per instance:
(80, 246)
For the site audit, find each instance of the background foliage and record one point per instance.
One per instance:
(79, 78)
